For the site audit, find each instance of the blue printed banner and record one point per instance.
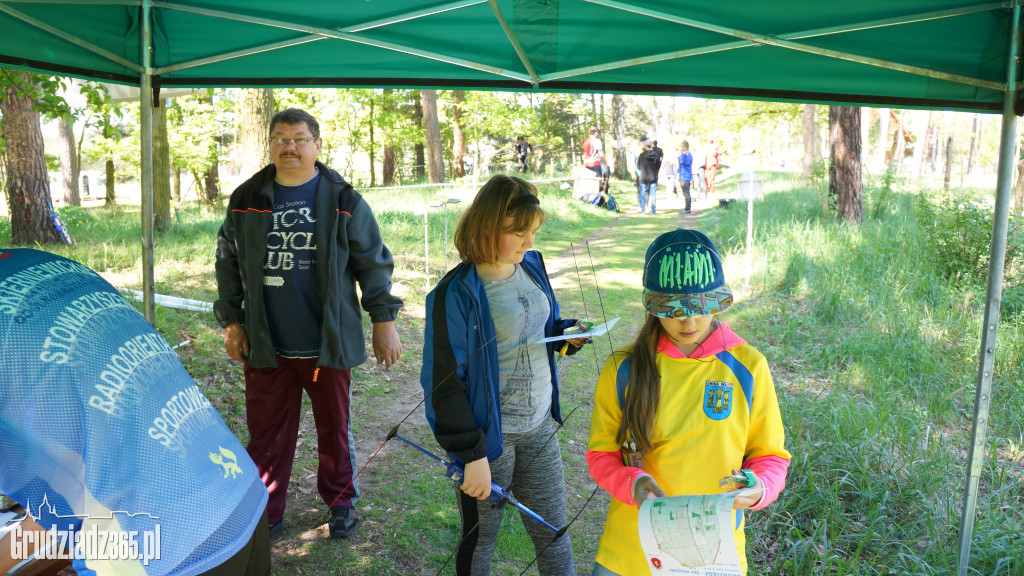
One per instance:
(102, 427)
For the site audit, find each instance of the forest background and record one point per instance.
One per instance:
(211, 140)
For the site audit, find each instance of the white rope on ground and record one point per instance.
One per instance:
(174, 302)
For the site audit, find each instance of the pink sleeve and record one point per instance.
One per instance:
(771, 470)
(607, 469)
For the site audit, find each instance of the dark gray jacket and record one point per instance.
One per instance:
(649, 164)
(349, 250)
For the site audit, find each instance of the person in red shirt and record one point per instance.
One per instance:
(711, 166)
(593, 158)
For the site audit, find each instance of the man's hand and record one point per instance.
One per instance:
(387, 347)
(477, 480)
(646, 489)
(236, 342)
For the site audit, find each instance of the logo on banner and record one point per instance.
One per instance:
(227, 460)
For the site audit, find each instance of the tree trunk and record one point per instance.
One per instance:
(1018, 203)
(458, 135)
(845, 181)
(981, 123)
(69, 167)
(619, 134)
(884, 157)
(432, 134)
(109, 174)
(921, 147)
(110, 193)
(420, 170)
(161, 169)
(948, 171)
(387, 171)
(28, 187)
(254, 112)
(901, 148)
(388, 166)
(810, 135)
(211, 184)
(970, 153)
(211, 180)
(372, 146)
(593, 111)
(176, 184)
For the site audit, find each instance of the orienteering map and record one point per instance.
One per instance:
(690, 535)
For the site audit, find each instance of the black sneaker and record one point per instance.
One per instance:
(276, 528)
(343, 521)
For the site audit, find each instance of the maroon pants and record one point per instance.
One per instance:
(273, 403)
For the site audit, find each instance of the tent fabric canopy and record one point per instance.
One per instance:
(912, 53)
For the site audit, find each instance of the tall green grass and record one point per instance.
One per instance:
(875, 351)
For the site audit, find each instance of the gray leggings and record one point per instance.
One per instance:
(539, 484)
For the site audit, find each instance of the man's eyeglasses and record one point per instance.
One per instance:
(291, 141)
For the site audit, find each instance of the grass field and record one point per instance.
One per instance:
(873, 348)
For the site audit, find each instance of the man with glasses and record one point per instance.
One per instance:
(295, 242)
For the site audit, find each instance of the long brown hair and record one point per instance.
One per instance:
(643, 393)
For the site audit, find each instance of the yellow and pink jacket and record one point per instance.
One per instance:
(718, 412)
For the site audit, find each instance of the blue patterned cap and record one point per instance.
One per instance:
(683, 276)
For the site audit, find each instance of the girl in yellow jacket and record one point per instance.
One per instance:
(688, 403)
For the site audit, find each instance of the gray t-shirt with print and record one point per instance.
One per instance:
(520, 309)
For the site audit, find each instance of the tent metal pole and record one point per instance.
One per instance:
(986, 355)
(411, 15)
(334, 33)
(162, 70)
(801, 35)
(780, 42)
(312, 38)
(70, 38)
(146, 142)
(515, 43)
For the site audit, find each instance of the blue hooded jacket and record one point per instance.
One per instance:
(460, 361)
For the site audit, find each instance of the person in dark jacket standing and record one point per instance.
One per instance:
(295, 242)
(648, 163)
(523, 151)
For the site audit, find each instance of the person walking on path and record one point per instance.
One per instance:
(491, 390)
(689, 403)
(648, 164)
(295, 242)
(685, 162)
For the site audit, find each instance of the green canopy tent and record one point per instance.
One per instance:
(936, 54)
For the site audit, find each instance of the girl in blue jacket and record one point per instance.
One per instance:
(491, 390)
